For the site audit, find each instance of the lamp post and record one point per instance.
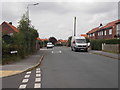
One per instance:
(28, 10)
(29, 20)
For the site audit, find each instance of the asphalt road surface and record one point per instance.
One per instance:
(63, 68)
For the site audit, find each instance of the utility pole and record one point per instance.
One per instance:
(74, 26)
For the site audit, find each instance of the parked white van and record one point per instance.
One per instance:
(79, 43)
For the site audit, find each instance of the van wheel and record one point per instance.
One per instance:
(71, 49)
(86, 50)
(75, 50)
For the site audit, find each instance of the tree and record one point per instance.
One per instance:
(53, 40)
(69, 41)
(26, 39)
(45, 43)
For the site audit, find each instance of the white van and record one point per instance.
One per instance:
(78, 43)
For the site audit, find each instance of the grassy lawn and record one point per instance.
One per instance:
(111, 52)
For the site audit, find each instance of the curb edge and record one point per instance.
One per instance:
(28, 69)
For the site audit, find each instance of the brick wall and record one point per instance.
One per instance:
(111, 48)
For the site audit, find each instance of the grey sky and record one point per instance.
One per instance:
(56, 18)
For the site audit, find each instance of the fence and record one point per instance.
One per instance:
(111, 48)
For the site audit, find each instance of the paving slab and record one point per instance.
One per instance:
(111, 55)
(22, 65)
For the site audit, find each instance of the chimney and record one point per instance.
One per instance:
(101, 24)
(10, 23)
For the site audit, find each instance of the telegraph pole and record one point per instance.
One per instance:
(74, 26)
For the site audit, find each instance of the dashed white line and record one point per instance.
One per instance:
(28, 72)
(52, 51)
(37, 85)
(38, 71)
(60, 51)
(38, 75)
(38, 80)
(22, 86)
(27, 76)
(25, 80)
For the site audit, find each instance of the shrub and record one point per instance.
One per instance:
(112, 41)
(97, 44)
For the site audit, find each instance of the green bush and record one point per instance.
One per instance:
(112, 41)
(97, 44)
(59, 44)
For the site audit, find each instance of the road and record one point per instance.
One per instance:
(63, 68)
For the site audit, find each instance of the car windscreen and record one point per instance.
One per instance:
(80, 40)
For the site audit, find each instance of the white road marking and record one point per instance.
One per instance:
(28, 72)
(22, 86)
(56, 51)
(27, 76)
(25, 80)
(37, 85)
(38, 80)
(52, 51)
(38, 71)
(60, 51)
(38, 75)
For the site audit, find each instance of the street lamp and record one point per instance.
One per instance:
(28, 10)
(28, 17)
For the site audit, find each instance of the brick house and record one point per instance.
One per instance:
(109, 31)
(8, 28)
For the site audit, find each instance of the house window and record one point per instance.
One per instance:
(118, 26)
(98, 33)
(110, 31)
(105, 33)
(101, 33)
(92, 34)
(118, 29)
(89, 35)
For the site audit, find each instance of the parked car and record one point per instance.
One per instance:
(78, 43)
(50, 45)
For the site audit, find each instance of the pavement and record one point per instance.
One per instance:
(107, 54)
(22, 65)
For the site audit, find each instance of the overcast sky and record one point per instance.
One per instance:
(56, 18)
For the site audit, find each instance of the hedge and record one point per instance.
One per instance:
(97, 44)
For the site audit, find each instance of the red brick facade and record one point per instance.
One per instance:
(108, 31)
(8, 28)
